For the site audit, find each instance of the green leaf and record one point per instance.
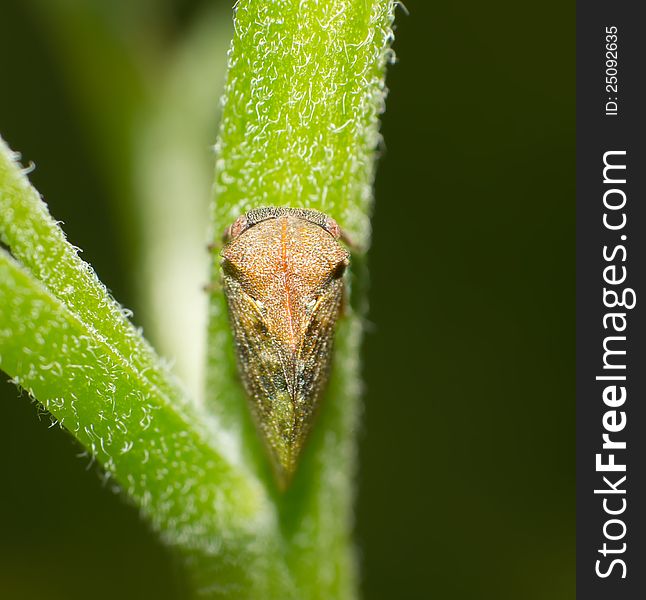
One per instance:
(39, 244)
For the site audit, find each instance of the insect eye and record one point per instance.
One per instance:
(229, 269)
(339, 270)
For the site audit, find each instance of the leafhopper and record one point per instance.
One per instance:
(282, 272)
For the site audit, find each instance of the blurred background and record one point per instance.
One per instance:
(466, 490)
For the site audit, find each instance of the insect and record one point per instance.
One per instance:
(282, 272)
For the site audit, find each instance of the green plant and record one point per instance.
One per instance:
(299, 127)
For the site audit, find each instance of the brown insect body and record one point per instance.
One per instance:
(283, 280)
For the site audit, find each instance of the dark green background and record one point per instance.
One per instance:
(467, 453)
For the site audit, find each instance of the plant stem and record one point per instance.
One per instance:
(66, 342)
(300, 127)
